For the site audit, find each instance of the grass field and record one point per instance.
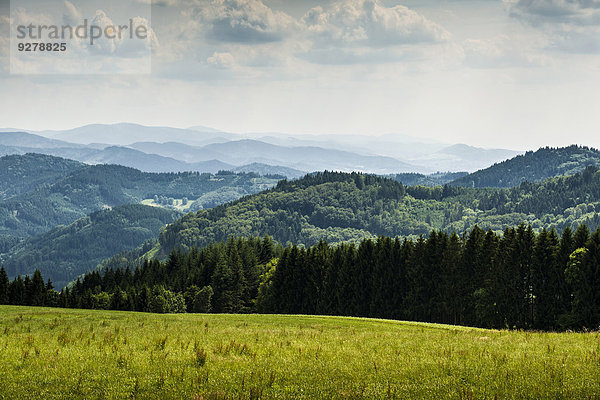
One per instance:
(49, 353)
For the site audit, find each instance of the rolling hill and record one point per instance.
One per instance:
(29, 140)
(533, 166)
(91, 188)
(265, 170)
(144, 156)
(66, 252)
(306, 158)
(341, 207)
(124, 134)
(21, 174)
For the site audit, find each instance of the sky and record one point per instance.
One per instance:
(516, 74)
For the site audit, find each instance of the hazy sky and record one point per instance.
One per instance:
(517, 74)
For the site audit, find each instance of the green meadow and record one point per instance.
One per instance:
(53, 353)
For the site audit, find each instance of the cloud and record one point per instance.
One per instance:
(4, 42)
(221, 60)
(241, 21)
(160, 3)
(138, 47)
(500, 52)
(556, 11)
(576, 40)
(368, 23)
(572, 26)
(365, 31)
(72, 16)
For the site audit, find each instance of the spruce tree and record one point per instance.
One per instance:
(17, 291)
(4, 286)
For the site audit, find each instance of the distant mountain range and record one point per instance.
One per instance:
(124, 134)
(208, 150)
(461, 157)
(158, 157)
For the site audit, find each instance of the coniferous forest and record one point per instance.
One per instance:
(520, 279)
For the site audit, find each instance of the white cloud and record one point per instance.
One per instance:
(241, 21)
(72, 16)
(138, 46)
(221, 60)
(502, 51)
(368, 23)
(104, 45)
(365, 31)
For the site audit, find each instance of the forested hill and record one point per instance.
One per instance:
(21, 174)
(69, 251)
(87, 189)
(532, 166)
(340, 207)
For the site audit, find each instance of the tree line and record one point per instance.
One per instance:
(518, 280)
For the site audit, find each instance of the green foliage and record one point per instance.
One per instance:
(164, 301)
(24, 173)
(339, 207)
(75, 190)
(4, 287)
(535, 166)
(67, 252)
(199, 300)
(437, 179)
(519, 279)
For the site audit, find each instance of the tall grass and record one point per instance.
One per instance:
(50, 353)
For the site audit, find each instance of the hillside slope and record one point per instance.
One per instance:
(21, 174)
(91, 188)
(69, 251)
(340, 207)
(532, 166)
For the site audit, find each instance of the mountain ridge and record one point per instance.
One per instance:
(533, 166)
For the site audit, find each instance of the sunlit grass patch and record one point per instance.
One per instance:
(52, 353)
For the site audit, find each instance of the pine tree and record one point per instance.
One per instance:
(578, 276)
(472, 256)
(450, 275)
(17, 291)
(37, 293)
(4, 287)
(525, 243)
(544, 280)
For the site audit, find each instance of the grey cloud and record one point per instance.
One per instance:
(572, 26)
(577, 41)
(242, 21)
(556, 11)
(160, 3)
